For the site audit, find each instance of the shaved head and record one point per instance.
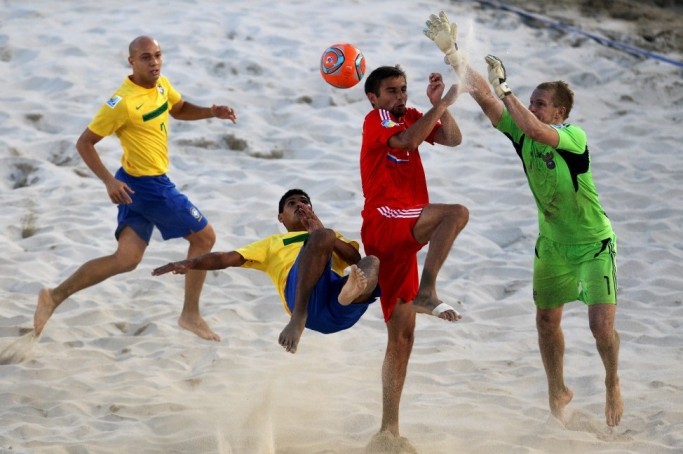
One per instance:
(145, 58)
(139, 42)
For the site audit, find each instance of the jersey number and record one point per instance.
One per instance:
(609, 287)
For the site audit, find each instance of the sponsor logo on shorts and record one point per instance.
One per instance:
(196, 214)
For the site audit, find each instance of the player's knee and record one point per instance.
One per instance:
(128, 261)
(461, 214)
(602, 330)
(547, 322)
(204, 239)
(324, 238)
(372, 262)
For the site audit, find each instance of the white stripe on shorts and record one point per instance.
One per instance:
(406, 214)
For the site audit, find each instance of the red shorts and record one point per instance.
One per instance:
(388, 235)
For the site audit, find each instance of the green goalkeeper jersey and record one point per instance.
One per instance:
(569, 209)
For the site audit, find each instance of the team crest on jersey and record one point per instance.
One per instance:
(548, 158)
(160, 89)
(114, 101)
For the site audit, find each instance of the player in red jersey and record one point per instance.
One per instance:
(398, 219)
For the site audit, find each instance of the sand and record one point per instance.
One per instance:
(112, 371)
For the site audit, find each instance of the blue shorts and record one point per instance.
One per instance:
(325, 314)
(158, 203)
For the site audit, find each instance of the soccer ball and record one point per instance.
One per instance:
(342, 65)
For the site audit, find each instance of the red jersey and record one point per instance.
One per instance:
(391, 177)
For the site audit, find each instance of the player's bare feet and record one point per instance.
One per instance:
(614, 406)
(355, 284)
(44, 309)
(430, 304)
(197, 325)
(558, 402)
(289, 337)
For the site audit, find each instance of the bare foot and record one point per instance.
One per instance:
(425, 304)
(614, 407)
(44, 309)
(289, 337)
(559, 402)
(354, 286)
(197, 325)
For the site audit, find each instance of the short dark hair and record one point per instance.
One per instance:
(373, 81)
(288, 194)
(563, 96)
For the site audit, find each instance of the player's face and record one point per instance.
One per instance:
(146, 62)
(393, 95)
(292, 212)
(541, 105)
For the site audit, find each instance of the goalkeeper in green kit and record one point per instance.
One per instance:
(575, 253)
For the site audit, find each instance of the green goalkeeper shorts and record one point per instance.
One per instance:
(568, 272)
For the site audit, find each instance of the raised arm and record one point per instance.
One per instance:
(449, 133)
(444, 34)
(412, 137)
(210, 261)
(481, 92)
(533, 128)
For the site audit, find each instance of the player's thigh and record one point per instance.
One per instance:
(555, 280)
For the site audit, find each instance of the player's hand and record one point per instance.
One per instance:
(444, 34)
(435, 88)
(309, 219)
(497, 76)
(224, 113)
(181, 267)
(119, 192)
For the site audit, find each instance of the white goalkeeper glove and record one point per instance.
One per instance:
(497, 76)
(440, 30)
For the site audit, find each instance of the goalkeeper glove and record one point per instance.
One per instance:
(497, 76)
(440, 30)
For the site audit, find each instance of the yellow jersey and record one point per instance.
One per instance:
(139, 117)
(275, 255)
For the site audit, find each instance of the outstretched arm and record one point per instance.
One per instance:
(481, 92)
(210, 261)
(185, 110)
(444, 33)
(533, 128)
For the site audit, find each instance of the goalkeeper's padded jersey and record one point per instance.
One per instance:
(569, 209)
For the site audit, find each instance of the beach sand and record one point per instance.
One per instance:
(112, 371)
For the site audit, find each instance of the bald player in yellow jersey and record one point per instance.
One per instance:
(138, 113)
